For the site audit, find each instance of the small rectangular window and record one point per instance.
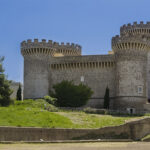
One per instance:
(82, 78)
(140, 89)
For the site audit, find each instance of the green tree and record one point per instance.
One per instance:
(5, 90)
(71, 95)
(106, 99)
(19, 93)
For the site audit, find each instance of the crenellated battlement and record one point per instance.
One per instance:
(124, 42)
(135, 28)
(119, 39)
(49, 47)
(132, 37)
(47, 44)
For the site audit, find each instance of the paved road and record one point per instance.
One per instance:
(80, 146)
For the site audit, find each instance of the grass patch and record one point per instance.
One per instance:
(39, 113)
(32, 118)
(84, 120)
(32, 114)
(146, 138)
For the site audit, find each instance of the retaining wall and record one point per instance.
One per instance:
(133, 130)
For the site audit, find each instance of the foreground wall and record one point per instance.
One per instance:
(133, 130)
(96, 71)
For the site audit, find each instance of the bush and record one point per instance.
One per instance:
(19, 93)
(106, 99)
(70, 95)
(43, 104)
(50, 99)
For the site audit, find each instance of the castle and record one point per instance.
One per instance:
(126, 70)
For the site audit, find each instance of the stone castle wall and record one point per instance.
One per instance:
(131, 75)
(131, 51)
(148, 75)
(36, 78)
(37, 56)
(96, 71)
(126, 71)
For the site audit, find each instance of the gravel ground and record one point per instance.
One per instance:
(79, 146)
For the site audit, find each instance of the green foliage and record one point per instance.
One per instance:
(50, 99)
(70, 95)
(33, 113)
(146, 138)
(5, 90)
(24, 116)
(39, 103)
(19, 93)
(106, 99)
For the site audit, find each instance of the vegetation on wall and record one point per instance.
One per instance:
(70, 95)
(5, 90)
(106, 99)
(19, 93)
(50, 99)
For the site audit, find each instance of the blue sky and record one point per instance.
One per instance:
(90, 23)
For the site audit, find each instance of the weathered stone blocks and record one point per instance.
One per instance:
(126, 71)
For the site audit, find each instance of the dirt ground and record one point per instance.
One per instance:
(80, 146)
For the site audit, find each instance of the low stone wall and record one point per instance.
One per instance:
(133, 130)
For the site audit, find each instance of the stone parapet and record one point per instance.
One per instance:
(83, 58)
(32, 47)
(130, 43)
(92, 61)
(135, 28)
(29, 44)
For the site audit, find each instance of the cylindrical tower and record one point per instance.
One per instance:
(37, 56)
(131, 49)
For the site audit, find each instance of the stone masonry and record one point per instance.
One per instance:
(125, 70)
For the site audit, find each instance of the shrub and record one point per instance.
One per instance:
(70, 95)
(5, 90)
(106, 99)
(19, 93)
(43, 104)
(50, 99)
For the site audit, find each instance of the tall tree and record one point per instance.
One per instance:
(19, 93)
(106, 99)
(5, 90)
